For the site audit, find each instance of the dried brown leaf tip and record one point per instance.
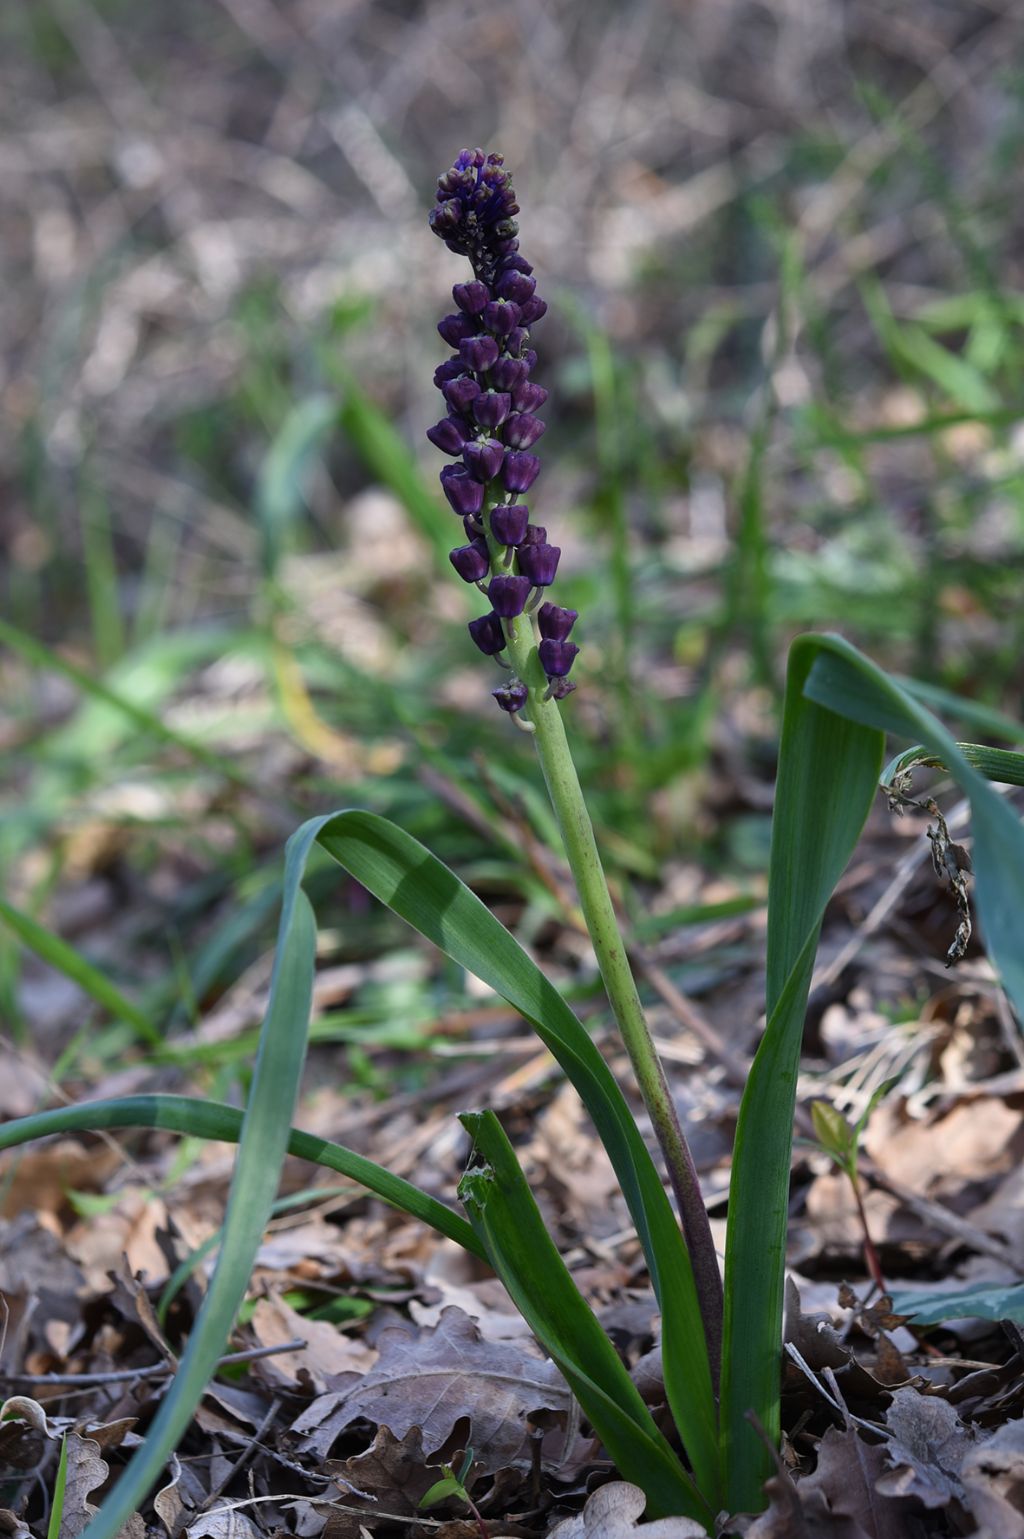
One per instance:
(614, 1513)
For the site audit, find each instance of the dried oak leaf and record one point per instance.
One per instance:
(993, 1477)
(435, 1378)
(87, 1470)
(928, 1445)
(613, 1512)
(393, 1473)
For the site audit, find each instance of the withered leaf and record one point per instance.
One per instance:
(993, 1478)
(437, 1377)
(614, 1512)
(928, 1446)
(224, 1524)
(844, 1486)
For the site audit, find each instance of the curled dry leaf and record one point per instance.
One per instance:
(614, 1511)
(436, 1378)
(928, 1445)
(226, 1523)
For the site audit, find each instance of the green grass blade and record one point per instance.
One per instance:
(57, 953)
(211, 1119)
(1002, 765)
(827, 777)
(399, 871)
(504, 1214)
(60, 1486)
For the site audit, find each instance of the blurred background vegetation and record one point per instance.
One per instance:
(783, 249)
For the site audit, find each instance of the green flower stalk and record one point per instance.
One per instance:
(491, 426)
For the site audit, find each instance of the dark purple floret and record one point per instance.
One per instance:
(448, 435)
(522, 430)
(516, 339)
(450, 369)
(520, 470)
(482, 457)
(478, 353)
(508, 372)
(471, 297)
(500, 317)
(455, 327)
(555, 623)
(460, 393)
(515, 286)
(491, 407)
(514, 261)
(488, 634)
(509, 522)
(533, 310)
(539, 563)
(535, 535)
(528, 396)
(559, 688)
(472, 561)
(508, 595)
(511, 697)
(556, 657)
(464, 494)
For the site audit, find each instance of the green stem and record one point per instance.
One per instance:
(577, 833)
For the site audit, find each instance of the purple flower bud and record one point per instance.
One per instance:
(464, 494)
(478, 353)
(556, 657)
(515, 286)
(539, 563)
(520, 470)
(508, 522)
(555, 624)
(471, 561)
(450, 369)
(500, 317)
(508, 595)
(454, 327)
(559, 688)
(491, 408)
(460, 393)
(535, 535)
(511, 697)
(508, 372)
(516, 341)
(530, 358)
(522, 430)
(488, 634)
(448, 435)
(533, 310)
(528, 396)
(515, 263)
(471, 297)
(483, 456)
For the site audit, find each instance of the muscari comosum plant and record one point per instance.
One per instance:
(721, 1348)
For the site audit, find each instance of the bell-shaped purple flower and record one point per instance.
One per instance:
(455, 327)
(460, 393)
(488, 634)
(555, 623)
(509, 522)
(520, 470)
(464, 493)
(556, 657)
(516, 341)
(515, 262)
(491, 407)
(527, 397)
(532, 311)
(511, 697)
(450, 369)
(535, 535)
(483, 456)
(448, 435)
(508, 372)
(508, 595)
(471, 561)
(500, 317)
(515, 286)
(539, 563)
(522, 430)
(471, 297)
(478, 353)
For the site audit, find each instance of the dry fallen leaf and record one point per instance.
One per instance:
(613, 1512)
(225, 1524)
(928, 1446)
(87, 1470)
(327, 1352)
(993, 1478)
(437, 1377)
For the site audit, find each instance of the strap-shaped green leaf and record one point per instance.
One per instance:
(213, 1120)
(504, 1214)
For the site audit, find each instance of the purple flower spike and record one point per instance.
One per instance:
(539, 563)
(511, 697)
(491, 407)
(508, 595)
(532, 311)
(555, 624)
(478, 353)
(454, 327)
(471, 297)
(522, 430)
(527, 397)
(515, 286)
(556, 657)
(448, 435)
(488, 634)
(508, 372)
(464, 494)
(483, 457)
(520, 470)
(500, 317)
(471, 561)
(509, 521)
